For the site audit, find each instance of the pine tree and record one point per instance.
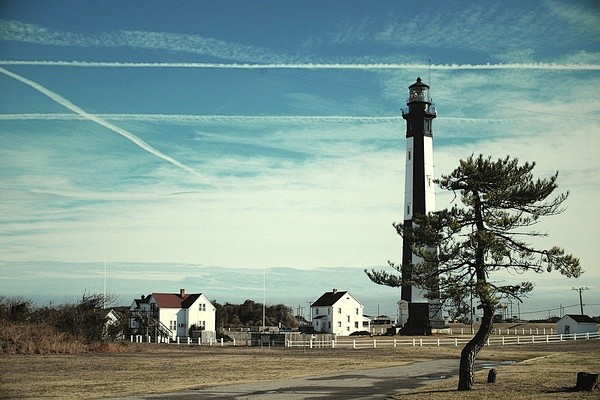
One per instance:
(462, 247)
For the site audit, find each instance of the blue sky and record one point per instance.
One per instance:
(244, 135)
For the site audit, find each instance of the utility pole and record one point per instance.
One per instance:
(581, 289)
(310, 316)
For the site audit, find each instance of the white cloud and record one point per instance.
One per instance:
(31, 33)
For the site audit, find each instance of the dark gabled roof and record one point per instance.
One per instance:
(142, 300)
(581, 318)
(174, 300)
(328, 299)
(190, 299)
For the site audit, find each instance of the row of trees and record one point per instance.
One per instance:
(250, 313)
(86, 319)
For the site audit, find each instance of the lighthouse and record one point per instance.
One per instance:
(419, 311)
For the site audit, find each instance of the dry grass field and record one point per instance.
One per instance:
(549, 376)
(171, 368)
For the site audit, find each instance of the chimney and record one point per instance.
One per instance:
(182, 293)
(334, 290)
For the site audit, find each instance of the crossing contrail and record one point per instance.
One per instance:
(101, 121)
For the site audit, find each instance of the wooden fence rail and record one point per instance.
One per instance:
(419, 342)
(387, 342)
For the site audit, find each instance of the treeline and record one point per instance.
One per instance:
(81, 326)
(68, 328)
(250, 313)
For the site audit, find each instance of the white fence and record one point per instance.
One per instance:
(420, 342)
(383, 341)
(186, 340)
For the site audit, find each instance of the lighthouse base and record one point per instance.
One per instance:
(418, 320)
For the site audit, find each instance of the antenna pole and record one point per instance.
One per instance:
(104, 296)
(264, 296)
(429, 71)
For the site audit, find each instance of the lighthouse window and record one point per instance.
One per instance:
(409, 155)
(408, 209)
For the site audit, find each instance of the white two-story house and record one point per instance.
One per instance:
(339, 313)
(170, 315)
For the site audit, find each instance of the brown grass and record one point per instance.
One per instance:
(26, 338)
(550, 376)
(171, 368)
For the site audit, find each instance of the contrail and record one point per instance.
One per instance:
(199, 118)
(315, 66)
(128, 135)
(246, 119)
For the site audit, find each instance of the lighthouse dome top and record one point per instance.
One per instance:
(418, 83)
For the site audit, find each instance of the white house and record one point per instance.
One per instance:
(570, 324)
(339, 313)
(170, 315)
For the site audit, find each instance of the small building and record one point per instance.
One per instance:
(382, 324)
(570, 324)
(338, 312)
(168, 316)
(113, 325)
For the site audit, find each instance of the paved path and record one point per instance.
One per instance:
(357, 385)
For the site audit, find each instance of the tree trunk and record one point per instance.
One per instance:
(466, 373)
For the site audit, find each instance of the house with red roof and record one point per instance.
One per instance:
(168, 316)
(338, 312)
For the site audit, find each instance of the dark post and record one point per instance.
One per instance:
(586, 381)
(492, 376)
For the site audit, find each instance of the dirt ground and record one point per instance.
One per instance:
(169, 368)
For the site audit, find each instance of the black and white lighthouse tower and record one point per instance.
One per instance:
(418, 312)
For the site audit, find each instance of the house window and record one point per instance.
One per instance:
(356, 324)
(339, 310)
(152, 306)
(316, 311)
(317, 324)
(339, 324)
(329, 324)
(348, 328)
(329, 311)
(201, 324)
(348, 318)
(357, 311)
(172, 325)
(202, 307)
